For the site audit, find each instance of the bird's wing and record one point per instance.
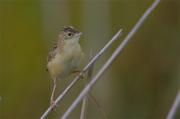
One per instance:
(52, 53)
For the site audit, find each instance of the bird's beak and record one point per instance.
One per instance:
(79, 34)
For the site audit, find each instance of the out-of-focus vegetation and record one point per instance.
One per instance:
(141, 84)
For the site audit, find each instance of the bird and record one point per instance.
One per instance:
(65, 57)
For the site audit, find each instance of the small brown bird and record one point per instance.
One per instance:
(65, 57)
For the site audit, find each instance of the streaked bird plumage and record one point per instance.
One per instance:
(66, 55)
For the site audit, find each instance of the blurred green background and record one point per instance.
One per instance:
(141, 84)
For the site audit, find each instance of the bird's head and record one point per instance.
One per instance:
(70, 33)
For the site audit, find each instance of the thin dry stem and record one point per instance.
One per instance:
(174, 108)
(85, 99)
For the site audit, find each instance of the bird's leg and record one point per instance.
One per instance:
(76, 71)
(79, 71)
(52, 103)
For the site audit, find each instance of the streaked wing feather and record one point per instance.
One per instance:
(52, 53)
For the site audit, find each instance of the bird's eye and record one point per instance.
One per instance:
(69, 34)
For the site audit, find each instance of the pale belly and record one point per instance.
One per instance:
(65, 63)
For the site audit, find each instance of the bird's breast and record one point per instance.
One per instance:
(65, 61)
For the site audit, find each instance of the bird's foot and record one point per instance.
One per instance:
(53, 104)
(79, 71)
